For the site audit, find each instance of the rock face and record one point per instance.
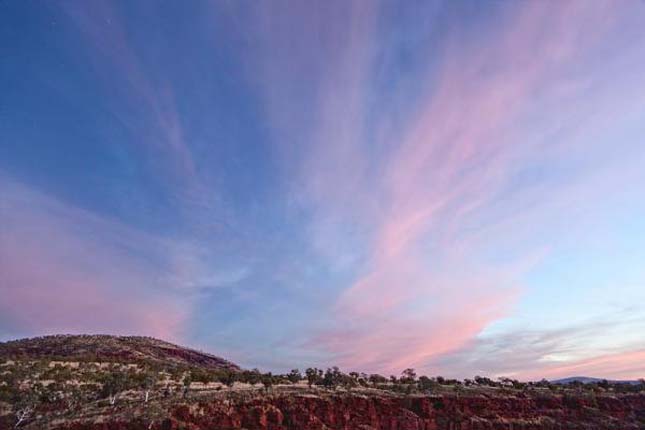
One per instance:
(349, 412)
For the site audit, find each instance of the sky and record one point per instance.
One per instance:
(453, 186)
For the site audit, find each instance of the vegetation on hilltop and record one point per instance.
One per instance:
(106, 349)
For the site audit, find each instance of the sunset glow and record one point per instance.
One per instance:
(452, 186)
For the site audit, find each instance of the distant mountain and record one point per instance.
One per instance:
(106, 348)
(590, 380)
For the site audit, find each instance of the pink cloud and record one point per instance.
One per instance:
(598, 347)
(64, 269)
(621, 365)
(413, 203)
(391, 336)
(420, 294)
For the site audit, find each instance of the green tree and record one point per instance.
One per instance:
(113, 383)
(186, 382)
(251, 376)
(228, 377)
(201, 375)
(294, 376)
(426, 384)
(333, 377)
(176, 374)
(267, 381)
(314, 376)
(148, 382)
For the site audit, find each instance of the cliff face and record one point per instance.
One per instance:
(349, 412)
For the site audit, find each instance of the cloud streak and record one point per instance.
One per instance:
(423, 287)
(592, 347)
(65, 269)
(358, 184)
(152, 112)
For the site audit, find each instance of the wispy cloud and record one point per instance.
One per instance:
(65, 269)
(361, 184)
(145, 106)
(409, 192)
(594, 347)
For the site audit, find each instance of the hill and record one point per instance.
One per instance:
(108, 349)
(590, 380)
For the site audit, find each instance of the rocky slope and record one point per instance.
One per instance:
(377, 412)
(105, 348)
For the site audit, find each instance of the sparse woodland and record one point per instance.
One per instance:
(41, 389)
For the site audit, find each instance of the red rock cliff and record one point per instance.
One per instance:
(349, 412)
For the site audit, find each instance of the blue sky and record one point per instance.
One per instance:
(450, 186)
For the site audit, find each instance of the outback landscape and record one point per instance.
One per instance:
(322, 215)
(106, 382)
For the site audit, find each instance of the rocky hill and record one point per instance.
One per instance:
(107, 349)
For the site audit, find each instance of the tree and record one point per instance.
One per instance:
(113, 383)
(155, 413)
(251, 376)
(426, 384)
(187, 381)
(76, 396)
(349, 381)
(332, 378)
(228, 377)
(481, 380)
(362, 379)
(176, 374)
(22, 414)
(25, 405)
(509, 382)
(200, 375)
(376, 379)
(314, 376)
(294, 376)
(267, 381)
(408, 376)
(148, 383)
